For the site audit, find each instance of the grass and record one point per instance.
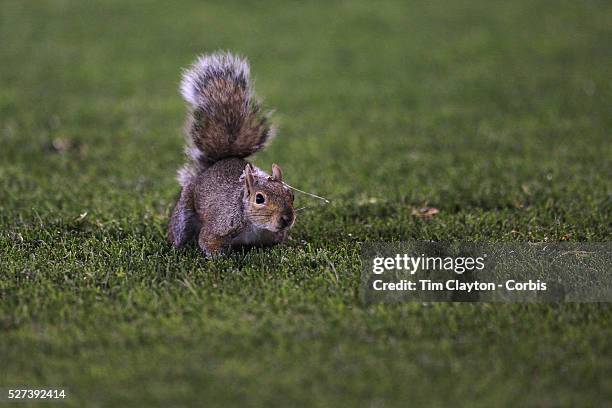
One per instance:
(497, 114)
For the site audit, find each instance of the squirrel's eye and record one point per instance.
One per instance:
(259, 198)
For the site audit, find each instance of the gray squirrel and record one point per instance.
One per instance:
(225, 201)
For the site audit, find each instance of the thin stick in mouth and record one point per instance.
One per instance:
(307, 193)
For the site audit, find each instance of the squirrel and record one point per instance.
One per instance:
(225, 201)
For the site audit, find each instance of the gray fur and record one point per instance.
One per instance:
(212, 66)
(225, 118)
(184, 222)
(218, 204)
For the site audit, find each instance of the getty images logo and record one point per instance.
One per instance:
(411, 264)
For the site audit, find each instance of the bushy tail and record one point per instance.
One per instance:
(225, 119)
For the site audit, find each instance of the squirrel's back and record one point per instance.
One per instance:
(224, 118)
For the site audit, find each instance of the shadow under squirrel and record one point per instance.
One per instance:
(225, 201)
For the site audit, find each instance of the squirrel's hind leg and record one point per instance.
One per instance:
(184, 223)
(213, 244)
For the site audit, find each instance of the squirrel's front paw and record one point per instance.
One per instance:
(280, 236)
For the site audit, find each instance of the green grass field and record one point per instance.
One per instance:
(498, 114)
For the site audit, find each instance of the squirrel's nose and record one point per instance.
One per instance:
(286, 220)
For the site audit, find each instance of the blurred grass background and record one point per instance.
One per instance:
(496, 113)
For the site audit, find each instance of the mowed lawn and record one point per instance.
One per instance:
(499, 114)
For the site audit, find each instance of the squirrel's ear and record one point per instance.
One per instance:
(277, 173)
(248, 178)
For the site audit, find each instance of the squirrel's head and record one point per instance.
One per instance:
(269, 202)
